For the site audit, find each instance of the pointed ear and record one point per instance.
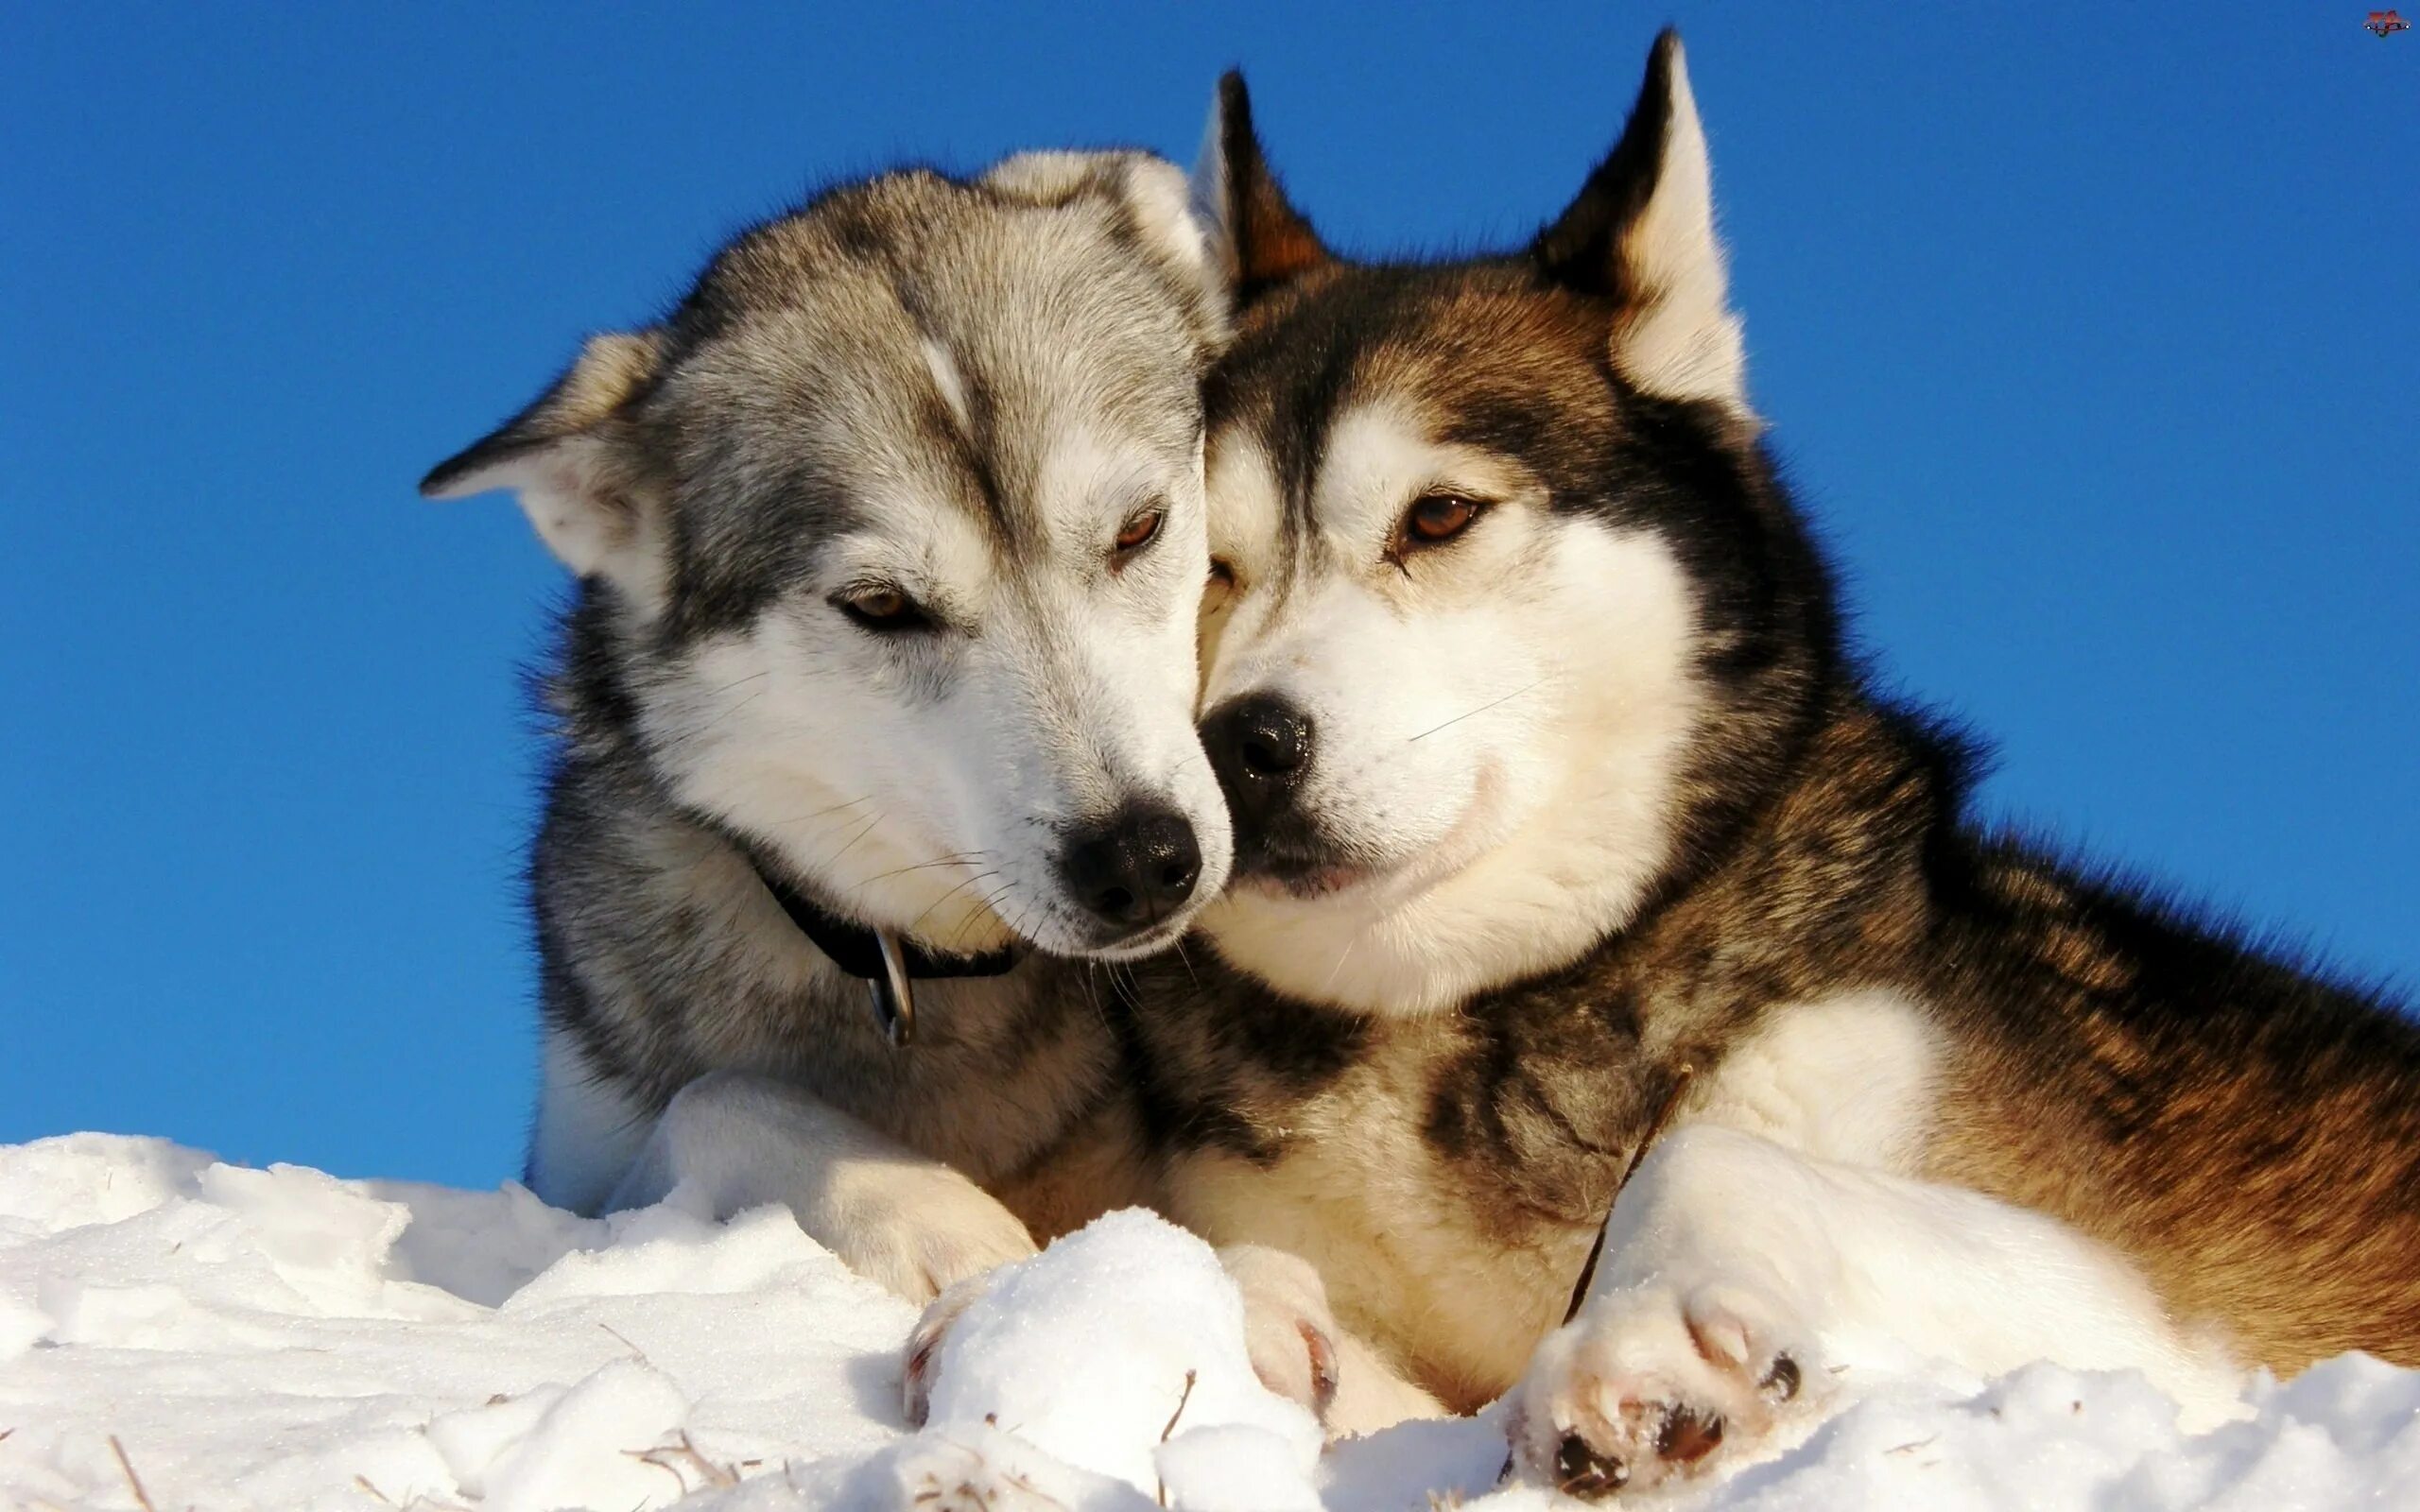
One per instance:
(1642, 233)
(1264, 241)
(1158, 205)
(566, 457)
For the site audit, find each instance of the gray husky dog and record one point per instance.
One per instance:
(875, 703)
(1558, 806)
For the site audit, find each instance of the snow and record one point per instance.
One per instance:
(283, 1340)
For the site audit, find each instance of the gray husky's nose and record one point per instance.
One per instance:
(1134, 869)
(1259, 745)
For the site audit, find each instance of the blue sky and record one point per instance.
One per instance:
(2091, 334)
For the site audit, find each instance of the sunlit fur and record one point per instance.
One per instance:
(955, 392)
(1499, 720)
(1589, 817)
(964, 756)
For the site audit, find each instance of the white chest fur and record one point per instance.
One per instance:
(1850, 1078)
(1409, 1266)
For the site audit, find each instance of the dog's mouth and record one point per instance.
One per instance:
(1303, 877)
(1078, 944)
(1291, 858)
(1150, 940)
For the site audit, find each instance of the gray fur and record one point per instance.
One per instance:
(886, 372)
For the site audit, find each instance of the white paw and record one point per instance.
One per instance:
(1288, 1332)
(917, 1229)
(1653, 1385)
(936, 1474)
(732, 1141)
(922, 1365)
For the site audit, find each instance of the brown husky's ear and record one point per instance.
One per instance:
(1642, 233)
(1265, 242)
(563, 456)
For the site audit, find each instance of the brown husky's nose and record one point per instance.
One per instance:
(1260, 746)
(1136, 869)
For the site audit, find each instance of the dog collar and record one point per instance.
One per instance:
(887, 965)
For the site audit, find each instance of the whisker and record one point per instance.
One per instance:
(694, 732)
(944, 898)
(958, 860)
(983, 906)
(864, 830)
(802, 819)
(1480, 710)
(1338, 969)
(739, 682)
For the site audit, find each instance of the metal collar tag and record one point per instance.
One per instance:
(894, 1000)
(878, 958)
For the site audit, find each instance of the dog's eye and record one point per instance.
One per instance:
(1137, 532)
(1219, 585)
(882, 607)
(1436, 518)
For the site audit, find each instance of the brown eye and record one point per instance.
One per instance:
(1219, 585)
(882, 608)
(1438, 517)
(1137, 532)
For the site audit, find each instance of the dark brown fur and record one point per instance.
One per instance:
(2245, 1130)
(2248, 1134)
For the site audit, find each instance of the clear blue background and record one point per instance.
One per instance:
(2092, 334)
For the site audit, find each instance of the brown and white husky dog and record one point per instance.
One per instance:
(1557, 797)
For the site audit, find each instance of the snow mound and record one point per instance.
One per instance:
(284, 1341)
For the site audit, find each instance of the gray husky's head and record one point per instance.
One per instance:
(1516, 617)
(890, 537)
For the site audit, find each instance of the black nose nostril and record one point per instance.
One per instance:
(1134, 869)
(1259, 747)
(1265, 757)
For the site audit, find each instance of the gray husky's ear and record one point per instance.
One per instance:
(563, 456)
(1152, 193)
(1642, 233)
(1264, 242)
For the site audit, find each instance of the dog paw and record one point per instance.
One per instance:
(732, 1141)
(920, 1232)
(921, 1365)
(1287, 1328)
(1651, 1386)
(936, 1474)
(1288, 1335)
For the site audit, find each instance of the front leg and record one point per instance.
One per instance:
(1296, 1346)
(1664, 1382)
(1742, 1282)
(1299, 1349)
(732, 1141)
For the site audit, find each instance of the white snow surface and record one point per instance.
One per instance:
(281, 1339)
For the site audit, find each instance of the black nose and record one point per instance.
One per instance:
(1260, 746)
(1134, 869)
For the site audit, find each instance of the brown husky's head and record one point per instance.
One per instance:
(1514, 621)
